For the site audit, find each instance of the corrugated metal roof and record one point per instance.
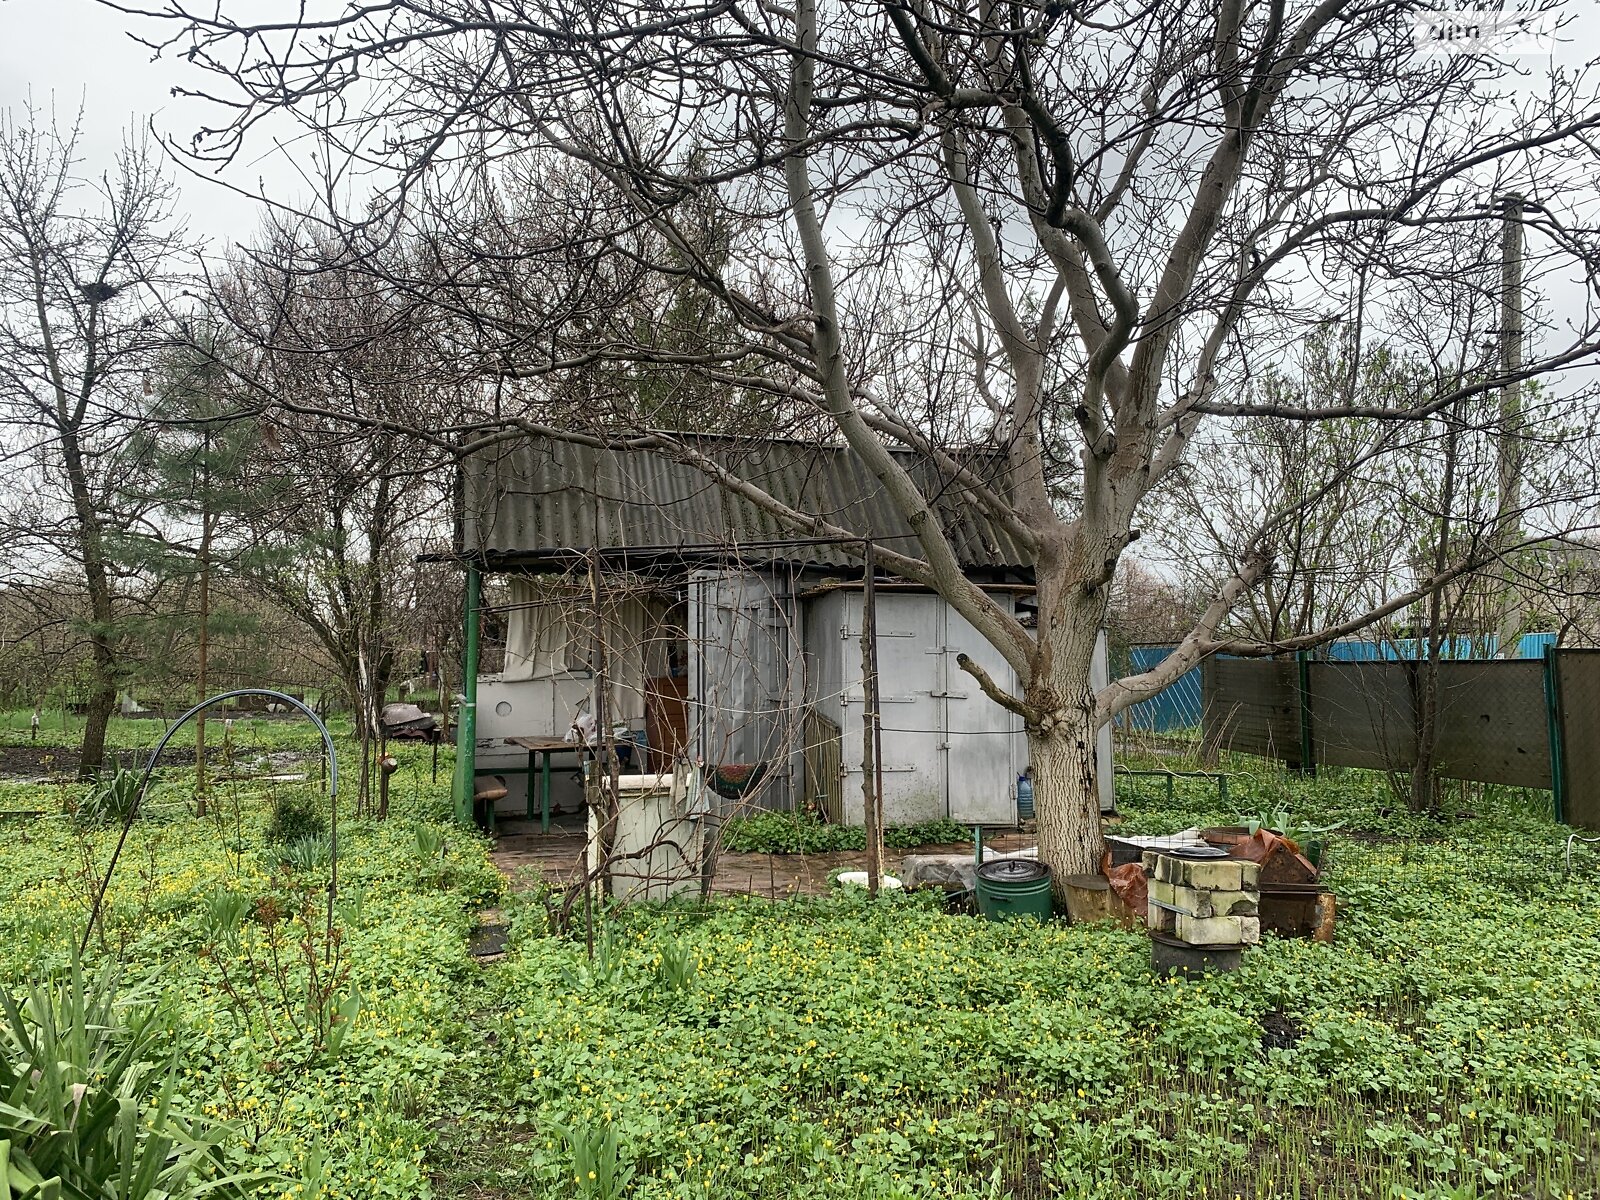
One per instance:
(527, 500)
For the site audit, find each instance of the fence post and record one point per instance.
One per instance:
(1308, 764)
(465, 782)
(1552, 715)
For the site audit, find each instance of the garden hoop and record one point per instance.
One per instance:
(149, 768)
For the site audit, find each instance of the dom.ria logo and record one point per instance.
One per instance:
(1484, 29)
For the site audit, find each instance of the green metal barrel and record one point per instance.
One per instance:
(1014, 887)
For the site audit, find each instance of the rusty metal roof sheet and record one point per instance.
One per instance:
(537, 500)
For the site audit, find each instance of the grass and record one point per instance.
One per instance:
(800, 833)
(348, 1116)
(58, 729)
(1447, 1046)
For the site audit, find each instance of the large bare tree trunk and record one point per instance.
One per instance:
(1064, 798)
(1061, 729)
(103, 697)
(102, 703)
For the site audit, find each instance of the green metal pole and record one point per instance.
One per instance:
(544, 797)
(532, 764)
(467, 721)
(1552, 716)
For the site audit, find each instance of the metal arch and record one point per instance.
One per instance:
(149, 769)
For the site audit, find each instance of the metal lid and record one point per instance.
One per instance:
(1197, 852)
(1013, 870)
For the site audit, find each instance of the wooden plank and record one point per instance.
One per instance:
(824, 781)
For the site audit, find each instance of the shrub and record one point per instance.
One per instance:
(111, 799)
(307, 854)
(800, 833)
(297, 814)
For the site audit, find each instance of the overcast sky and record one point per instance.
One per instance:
(77, 54)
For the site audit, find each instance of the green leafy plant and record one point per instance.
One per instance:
(311, 853)
(297, 814)
(351, 906)
(430, 842)
(804, 833)
(223, 914)
(677, 966)
(337, 1019)
(111, 799)
(1283, 824)
(86, 1101)
(598, 1170)
(605, 968)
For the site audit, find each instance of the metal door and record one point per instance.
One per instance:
(910, 691)
(741, 676)
(986, 750)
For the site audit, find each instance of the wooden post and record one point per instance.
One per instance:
(608, 781)
(871, 727)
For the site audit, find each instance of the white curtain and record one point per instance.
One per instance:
(550, 632)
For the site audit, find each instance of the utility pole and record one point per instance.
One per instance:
(1505, 610)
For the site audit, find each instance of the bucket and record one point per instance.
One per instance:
(1014, 887)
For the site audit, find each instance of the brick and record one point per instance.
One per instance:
(1168, 869)
(1234, 904)
(1149, 858)
(1214, 931)
(1250, 873)
(1161, 920)
(1249, 930)
(1211, 875)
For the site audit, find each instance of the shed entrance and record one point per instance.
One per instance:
(948, 749)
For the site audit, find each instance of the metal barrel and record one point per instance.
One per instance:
(1014, 887)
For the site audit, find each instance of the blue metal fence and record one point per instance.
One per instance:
(1175, 707)
(1178, 705)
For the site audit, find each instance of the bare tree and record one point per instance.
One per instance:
(337, 516)
(85, 263)
(1066, 234)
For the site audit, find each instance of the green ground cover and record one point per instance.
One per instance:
(225, 940)
(250, 731)
(802, 833)
(1448, 1045)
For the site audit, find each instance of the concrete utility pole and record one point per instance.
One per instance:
(1506, 610)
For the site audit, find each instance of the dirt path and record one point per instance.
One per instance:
(36, 762)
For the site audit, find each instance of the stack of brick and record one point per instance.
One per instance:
(1204, 902)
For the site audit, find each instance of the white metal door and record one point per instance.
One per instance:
(741, 675)
(983, 737)
(909, 687)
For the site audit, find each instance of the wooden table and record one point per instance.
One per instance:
(543, 747)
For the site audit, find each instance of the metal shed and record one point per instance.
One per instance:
(768, 621)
